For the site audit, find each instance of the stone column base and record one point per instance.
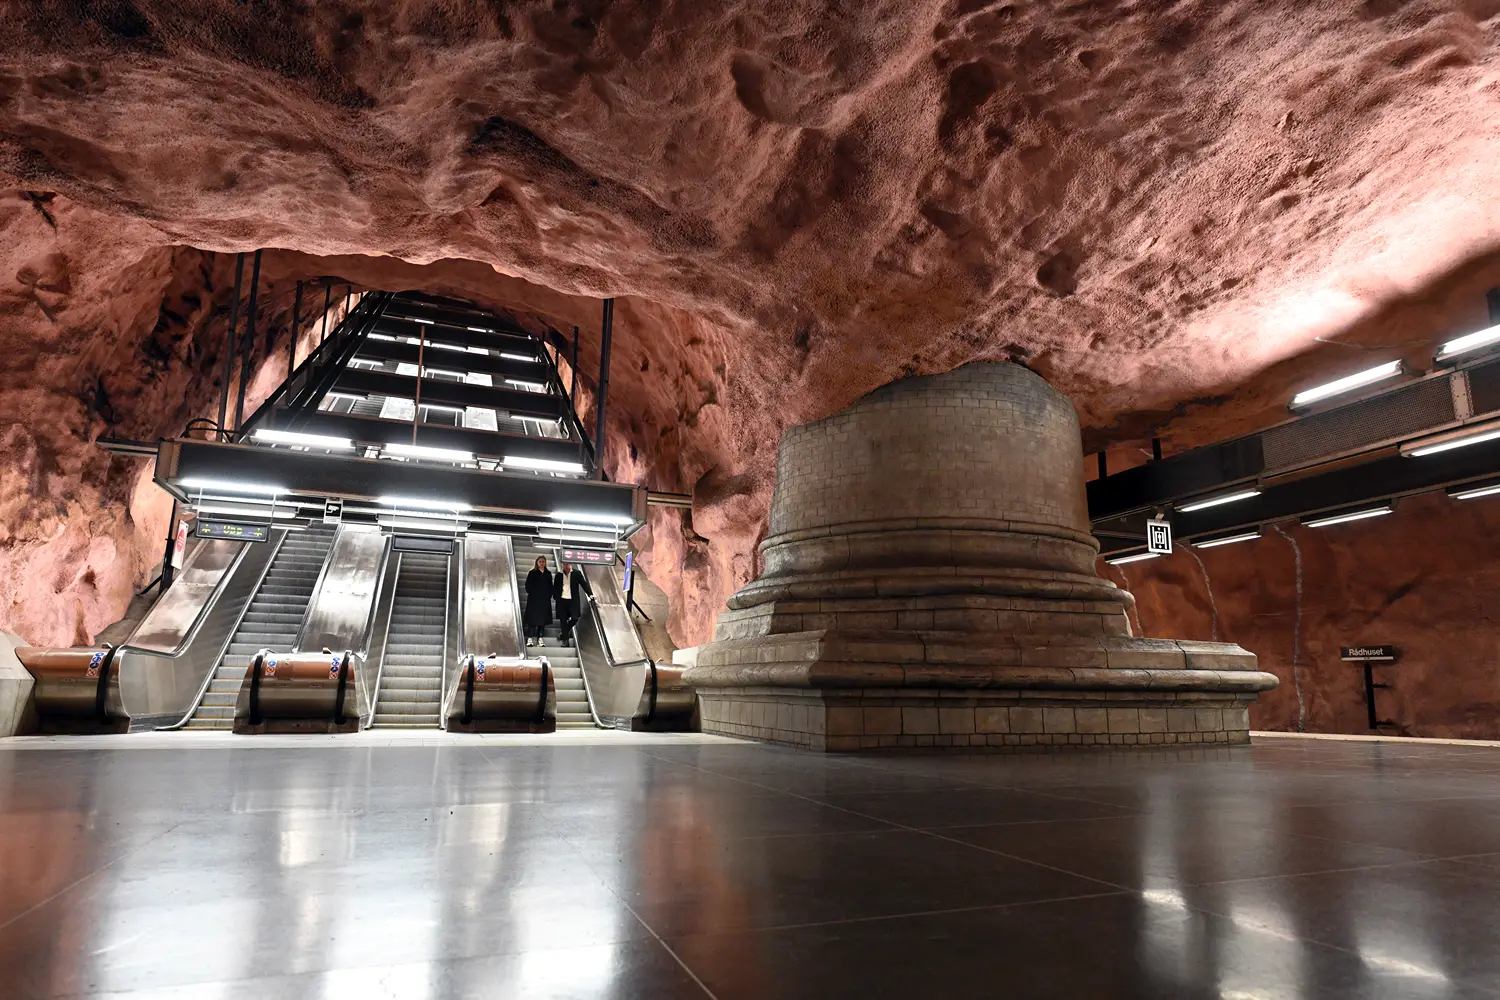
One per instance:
(841, 721)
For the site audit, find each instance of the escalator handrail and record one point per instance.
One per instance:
(541, 705)
(101, 689)
(338, 702)
(257, 665)
(467, 718)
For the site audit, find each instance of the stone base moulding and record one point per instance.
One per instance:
(850, 691)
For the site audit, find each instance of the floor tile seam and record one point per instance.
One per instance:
(925, 833)
(1322, 871)
(1005, 786)
(914, 914)
(1029, 822)
(1421, 855)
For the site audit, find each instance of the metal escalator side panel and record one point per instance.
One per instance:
(491, 609)
(341, 613)
(614, 692)
(160, 688)
(380, 628)
(622, 640)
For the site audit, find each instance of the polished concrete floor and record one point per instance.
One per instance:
(668, 868)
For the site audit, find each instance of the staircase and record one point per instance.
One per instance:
(411, 680)
(272, 621)
(567, 673)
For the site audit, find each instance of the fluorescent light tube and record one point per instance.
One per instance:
(598, 529)
(542, 464)
(262, 489)
(479, 329)
(353, 397)
(1213, 543)
(248, 510)
(1215, 501)
(540, 420)
(1358, 515)
(417, 503)
(518, 357)
(1475, 492)
(422, 524)
(1137, 557)
(1457, 439)
(306, 440)
(573, 515)
(424, 322)
(381, 336)
(436, 454)
(1470, 342)
(1348, 383)
(533, 386)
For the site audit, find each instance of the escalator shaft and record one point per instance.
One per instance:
(411, 679)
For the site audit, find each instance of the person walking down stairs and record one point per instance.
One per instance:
(569, 590)
(538, 601)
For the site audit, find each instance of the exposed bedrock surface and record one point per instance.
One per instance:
(1176, 213)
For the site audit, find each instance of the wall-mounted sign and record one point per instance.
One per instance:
(1159, 536)
(1367, 654)
(629, 568)
(604, 557)
(333, 511)
(238, 530)
(179, 544)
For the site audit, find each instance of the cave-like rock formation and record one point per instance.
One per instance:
(1175, 212)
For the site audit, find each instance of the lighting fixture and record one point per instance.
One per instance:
(532, 386)
(1354, 515)
(436, 454)
(422, 524)
(424, 322)
(1215, 501)
(1469, 342)
(573, 515)
(1461, 438)
(479, 329)
(540, 420)
(1348, 383)
(1474, 492)
(541, 464)
(353, 397)
(1213, 543)
(1133, 557)
(306, 440)
(448, 347)
(417, 503)
(382, 336)
(518, 357)
(248, 510)
(262, 489)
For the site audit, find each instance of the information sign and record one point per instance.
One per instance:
(179, 544)
(237, 530)
(1159, 536)
(601, 556)
(1367, 654)
(333, 511)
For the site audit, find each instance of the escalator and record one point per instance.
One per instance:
(567, 671)
(411, 679)
(271, 621)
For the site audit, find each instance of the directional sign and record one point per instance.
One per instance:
(231, 529)
(606, 556)
(333, 511)
(179, 544)
(1159, 536)
(1367, 654)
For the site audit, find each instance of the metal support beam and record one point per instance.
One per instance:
(1492, 299)
(249, 349)
(234, 319)
(291, 347)
(327, 305)
(606, 334)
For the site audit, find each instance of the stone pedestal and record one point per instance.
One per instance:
(929, 582)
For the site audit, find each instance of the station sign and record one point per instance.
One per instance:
(603, 557)
(1368, 654)
(333, 511)
(1159, 536)
(237, 530)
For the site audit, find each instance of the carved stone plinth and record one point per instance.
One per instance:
(929, 582)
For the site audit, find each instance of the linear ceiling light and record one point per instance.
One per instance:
(424, 322)
(248, 510)
(381, 336)
(532, 386)
(574, 515)
(417, 503)
(436, 454)
(1213, 543)
(1474, 492)
(1353, 515)
(564, 530)
(1469, 342)
(262, 489)
(541, 464)
(518, 357)
(479, 329)
(1215, 501)
(1134, 557)
(1348, 383)
(306, 440)
(1461, 438)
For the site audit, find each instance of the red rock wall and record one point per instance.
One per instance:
(1426, 579)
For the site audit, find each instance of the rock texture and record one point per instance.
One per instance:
(1175, 212)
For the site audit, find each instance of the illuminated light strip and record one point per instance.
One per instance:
(424, 322)
(1214, 543)
(478, 329)
(307, 440)
(1475, 492)
(1215, 501)
(1469, 342)
(249, 511)
(571, 515)
(436, 454)
(542, 464)
(417, 503)
(1137, 557)
(1358, 515)
(262, 489)
(1456, 439)
(533, 386)
(519, 357)
(1348, 383)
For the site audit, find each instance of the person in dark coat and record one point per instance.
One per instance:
(568, 588)
(538, 601)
